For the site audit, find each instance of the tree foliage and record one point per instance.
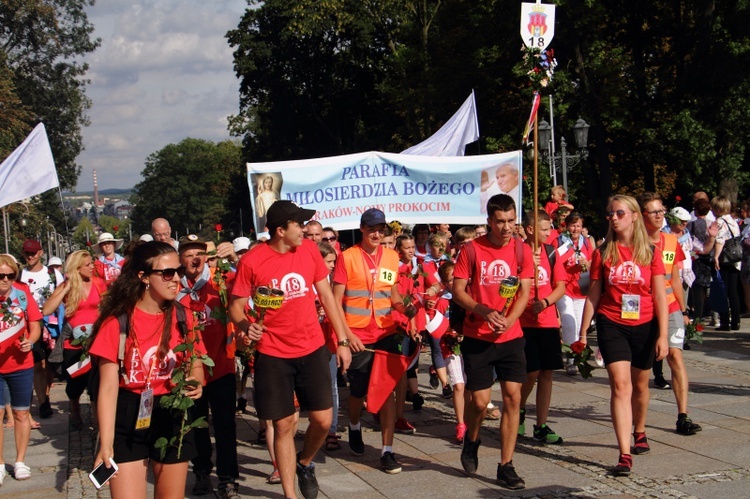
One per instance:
(188, 184)
(663, 85)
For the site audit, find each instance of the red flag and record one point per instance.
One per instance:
(387, 370)
(80, 368)
(532, 117)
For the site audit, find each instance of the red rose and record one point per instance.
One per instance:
(88, 243)
(678, 198)
(83, 329)
(217, 227)
(115, 228)
(577, 347)
(699, 327)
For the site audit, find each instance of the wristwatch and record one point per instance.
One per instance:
(344, 343)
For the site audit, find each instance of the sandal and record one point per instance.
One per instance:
(274, 477)
(21, 471)
(494, 414)
(332, 442)
(9, 424)
(35, 425)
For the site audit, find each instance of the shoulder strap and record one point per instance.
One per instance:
(471, 256)
(551, 256)
(519, 255)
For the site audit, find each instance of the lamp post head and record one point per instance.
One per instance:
(581, 131)
(545, 133)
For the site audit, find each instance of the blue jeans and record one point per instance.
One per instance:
(20, 384)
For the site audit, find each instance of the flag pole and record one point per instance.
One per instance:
(535, 242)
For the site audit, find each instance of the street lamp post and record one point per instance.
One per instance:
(564, 161)
(6, 221)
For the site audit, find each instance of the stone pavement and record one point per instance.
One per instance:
(713, 463)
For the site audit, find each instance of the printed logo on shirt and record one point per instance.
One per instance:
(494, 272)
(162, 370)
(293, 285)
(626, 273)
(111, 273)
(543, 278)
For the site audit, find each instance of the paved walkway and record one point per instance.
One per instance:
(713, 463)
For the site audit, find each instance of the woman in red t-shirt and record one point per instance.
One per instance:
(19, 329)
(81, 292)
(131, 421)
(627, 294)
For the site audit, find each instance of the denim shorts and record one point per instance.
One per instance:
(20, 383)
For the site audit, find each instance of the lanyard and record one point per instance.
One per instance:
(373, 275)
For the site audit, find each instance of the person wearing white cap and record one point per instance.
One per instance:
(109, 264)
(241, 245)
(146, 238)
(55, 263)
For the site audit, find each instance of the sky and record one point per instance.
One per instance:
(163, 73)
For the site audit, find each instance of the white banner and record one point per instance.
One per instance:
(29, 170)
(411, 189)
(451, 139)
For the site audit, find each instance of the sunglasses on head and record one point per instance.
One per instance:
(10, 277)
(168, 274)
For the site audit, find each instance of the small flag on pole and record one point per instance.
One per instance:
(532, 117)
(387, 370)
(80, 368)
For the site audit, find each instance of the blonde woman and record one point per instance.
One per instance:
(627, 295)
(266, 197)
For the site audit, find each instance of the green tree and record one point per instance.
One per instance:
(188, 184)
(84, 234)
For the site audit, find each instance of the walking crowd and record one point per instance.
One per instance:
(168, 336)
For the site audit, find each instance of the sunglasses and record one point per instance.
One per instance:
(616, 214)
(10, 277)
(330, 239)
(168, 274)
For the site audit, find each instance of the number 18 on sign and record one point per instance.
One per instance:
(537, 24)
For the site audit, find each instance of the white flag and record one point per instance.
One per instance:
(451, 139)
(29, 170)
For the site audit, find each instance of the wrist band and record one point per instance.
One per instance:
(546, 303)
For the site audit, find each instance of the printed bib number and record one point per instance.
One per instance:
(387, 276)
(668, 257)
(145, 408)
(631, 307)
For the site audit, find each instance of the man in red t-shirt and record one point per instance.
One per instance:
(493, 340)
(541, 327)
(672, 255)
(200, 294)
(291, 356)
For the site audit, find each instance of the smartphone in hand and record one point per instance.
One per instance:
(102, 474)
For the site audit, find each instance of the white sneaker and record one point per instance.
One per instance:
(571, 369)
(3, 473)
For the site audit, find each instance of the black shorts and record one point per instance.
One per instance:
(136, 445)
(39, 351)
(359, 370)
(483, 360)
(543, 349)
(277, 380)
(634, 344)
(74, 386)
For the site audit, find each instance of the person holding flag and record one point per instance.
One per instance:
(291, 356)
(493, 340)
(19, 329)
(365, 282)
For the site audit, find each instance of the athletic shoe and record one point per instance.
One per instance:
(306, 480)
(522, 423)
(624, 465)
(434, 381)
(545, 434)
(508, 478)
(641, 444)
(389, 464)
(571, 369)
(661, 383)
(355, 442)
(405, 427)
(417, 401)
(447, 392)
(228, 491)
(469, 455)
(685, 426)
(202, 485)
(460, 433)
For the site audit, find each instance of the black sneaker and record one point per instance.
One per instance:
(685, 426)
(241, 404)
(661, 383)
(434, 381)
(228, 491)
(447, 392)
(45, 410)
(355, 442)
(417, 401)
(202, 485)
(507, 477)
(389, 464)
(306, 480)
(469, 455)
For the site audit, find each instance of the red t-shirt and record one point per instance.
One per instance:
(372, 333)
(679, 256)
(626, 278)
(140, 355)
(491, 265)
(573, 269)
(214, 333)
(12, 359)
(410, 283)
(108, 271)
(293, 330)
(547, 277)
(82, 321)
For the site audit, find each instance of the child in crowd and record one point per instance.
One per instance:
(557, 197)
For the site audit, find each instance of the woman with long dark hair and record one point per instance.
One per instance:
(628, 296)
(131, 383)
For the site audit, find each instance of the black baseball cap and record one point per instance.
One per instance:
(283, 211)
(372, 217)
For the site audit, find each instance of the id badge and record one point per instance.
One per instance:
(145, 408)
(631, 307)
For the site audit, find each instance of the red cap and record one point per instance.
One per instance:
(31, 246)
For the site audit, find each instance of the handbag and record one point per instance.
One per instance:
(717, 297)
(732, 250)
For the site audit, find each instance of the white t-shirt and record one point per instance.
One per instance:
(40, 283)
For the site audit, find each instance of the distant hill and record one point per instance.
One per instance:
(102, 192)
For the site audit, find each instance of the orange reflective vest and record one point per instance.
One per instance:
(369, 294)
(669, 254)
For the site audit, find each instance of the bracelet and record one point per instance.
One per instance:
(546, 303)
(685, 313)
